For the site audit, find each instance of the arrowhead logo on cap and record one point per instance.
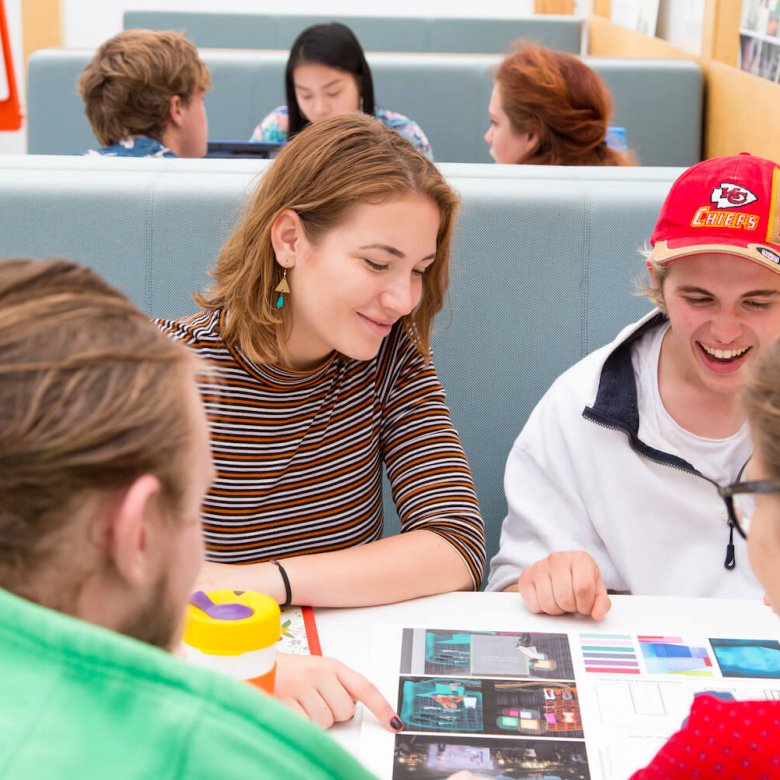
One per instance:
(731, 196)
(740, 217)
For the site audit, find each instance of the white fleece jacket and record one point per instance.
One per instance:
(579, 478)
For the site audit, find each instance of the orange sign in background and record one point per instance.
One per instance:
(10, 115)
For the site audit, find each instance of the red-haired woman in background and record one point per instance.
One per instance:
(550, 108)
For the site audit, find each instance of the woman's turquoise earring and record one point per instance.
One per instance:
(282, 288)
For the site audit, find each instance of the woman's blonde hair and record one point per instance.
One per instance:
(328, 169)
(761, 401)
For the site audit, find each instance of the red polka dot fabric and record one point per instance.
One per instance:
(724, 740)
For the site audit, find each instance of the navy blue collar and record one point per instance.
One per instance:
(616, 405)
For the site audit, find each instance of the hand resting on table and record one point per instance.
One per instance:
(564, 582)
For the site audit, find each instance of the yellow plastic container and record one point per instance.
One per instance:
(243, 647)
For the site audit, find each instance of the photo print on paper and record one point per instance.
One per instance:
(486, 654)
(510, 708)
(673, 655)
(747, 657)
(428, 756)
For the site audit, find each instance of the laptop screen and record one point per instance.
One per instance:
(261, 150)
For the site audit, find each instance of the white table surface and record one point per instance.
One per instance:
(347, 634)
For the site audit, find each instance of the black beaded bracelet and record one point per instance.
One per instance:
(286, 581)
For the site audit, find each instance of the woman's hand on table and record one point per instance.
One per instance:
(326, 691)
(565, 582)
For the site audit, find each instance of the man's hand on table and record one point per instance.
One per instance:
(565, 582)
(326, 691)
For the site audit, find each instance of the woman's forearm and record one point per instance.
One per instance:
(396, 568)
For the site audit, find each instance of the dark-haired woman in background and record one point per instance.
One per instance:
(550, 108)
(327, 74)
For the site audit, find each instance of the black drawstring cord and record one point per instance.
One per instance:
(731, 560)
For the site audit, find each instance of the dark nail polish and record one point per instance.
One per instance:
(396, 724)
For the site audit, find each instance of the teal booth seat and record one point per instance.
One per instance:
(225, 30)
(543, 266)
(659, 102)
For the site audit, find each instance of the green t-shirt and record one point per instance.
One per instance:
(78, 701)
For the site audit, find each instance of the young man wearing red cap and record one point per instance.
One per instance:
(612, 484)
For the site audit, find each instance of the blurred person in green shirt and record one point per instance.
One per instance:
(104, 461)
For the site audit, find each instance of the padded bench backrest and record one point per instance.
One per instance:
(543, 268)
(375, 33)
(659, 102)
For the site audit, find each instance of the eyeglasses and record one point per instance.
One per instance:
(741, 520)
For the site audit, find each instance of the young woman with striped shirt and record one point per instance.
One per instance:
(317, 327)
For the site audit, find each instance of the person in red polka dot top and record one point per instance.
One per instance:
(741, 739)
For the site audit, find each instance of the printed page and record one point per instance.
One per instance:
(574, 706)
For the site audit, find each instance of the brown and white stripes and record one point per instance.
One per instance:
(299, 454)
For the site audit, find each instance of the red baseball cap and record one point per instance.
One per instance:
(726, 204)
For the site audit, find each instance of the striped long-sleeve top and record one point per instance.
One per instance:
(299, 454)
